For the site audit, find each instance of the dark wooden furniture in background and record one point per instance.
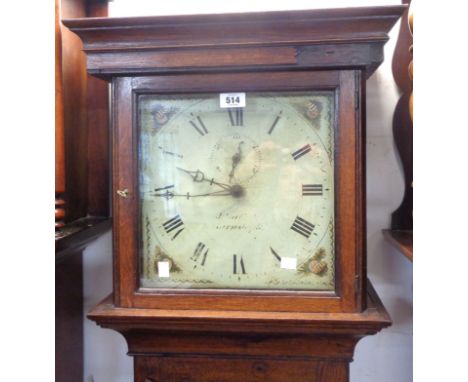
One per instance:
(401, 240)
(59, 126)
(81, 180)
(82, 121)
(400, 235)
(219, 339)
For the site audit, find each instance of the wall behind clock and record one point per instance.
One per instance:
(386, 357)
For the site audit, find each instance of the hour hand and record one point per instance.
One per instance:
(199, 177)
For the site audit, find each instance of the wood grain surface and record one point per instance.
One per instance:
(209, 346)
(336, 38)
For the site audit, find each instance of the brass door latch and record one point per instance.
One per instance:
(123, 193)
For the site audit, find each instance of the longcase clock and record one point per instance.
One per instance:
(239, 190)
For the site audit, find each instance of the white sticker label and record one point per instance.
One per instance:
(231, 100)
(288, 263)
(163, 268)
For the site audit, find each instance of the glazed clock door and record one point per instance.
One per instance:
(237, 198)
(235, 191)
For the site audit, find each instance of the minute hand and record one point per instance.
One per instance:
(199, 177)
(170, 195)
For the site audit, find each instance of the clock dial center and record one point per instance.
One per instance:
(237, 191)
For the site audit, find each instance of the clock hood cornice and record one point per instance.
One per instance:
(308, 39)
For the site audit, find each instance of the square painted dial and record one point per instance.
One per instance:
(237, 197)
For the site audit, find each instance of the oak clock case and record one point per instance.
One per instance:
(237, 207)
(239, 232)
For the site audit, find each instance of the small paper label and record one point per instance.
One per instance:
(163, 268)
(232, 100)
(288, 263)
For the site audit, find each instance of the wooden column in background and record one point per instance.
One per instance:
(59, 126)
(401, 233)
(402, 217)
(75, 113)
(97, 103)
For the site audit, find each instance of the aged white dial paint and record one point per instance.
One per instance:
(229, 196)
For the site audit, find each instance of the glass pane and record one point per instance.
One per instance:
(237, 198)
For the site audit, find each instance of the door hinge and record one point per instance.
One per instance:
(357, 89)
(357, 282)
(356, 99)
